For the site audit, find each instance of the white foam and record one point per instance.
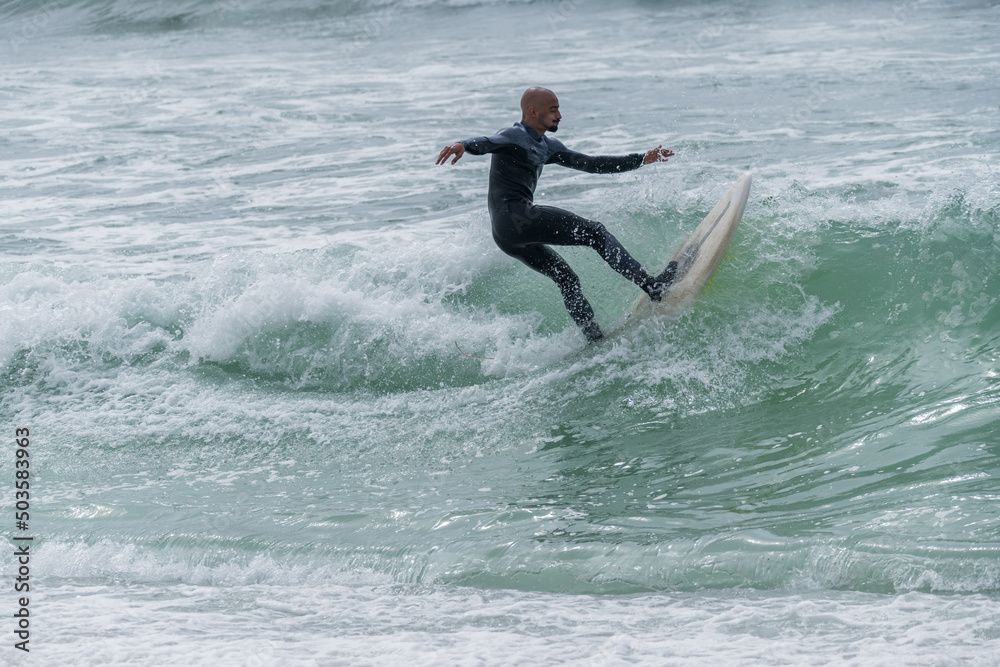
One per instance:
(330, 623)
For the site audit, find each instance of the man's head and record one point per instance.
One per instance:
(540, 109)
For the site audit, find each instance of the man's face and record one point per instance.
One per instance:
(548, 114)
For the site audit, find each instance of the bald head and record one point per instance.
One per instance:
(535, 96)
(540, 109)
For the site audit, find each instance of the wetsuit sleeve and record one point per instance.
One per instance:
(597, 164)
(484, 145)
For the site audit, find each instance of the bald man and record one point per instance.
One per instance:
(525, 231)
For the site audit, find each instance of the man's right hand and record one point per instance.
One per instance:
(458, 150)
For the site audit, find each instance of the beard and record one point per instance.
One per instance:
(553, 127)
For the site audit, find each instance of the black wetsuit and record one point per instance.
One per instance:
(524, 230)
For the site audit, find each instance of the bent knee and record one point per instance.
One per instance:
(593, 233)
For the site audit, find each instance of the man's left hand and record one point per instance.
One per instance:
(658, 154)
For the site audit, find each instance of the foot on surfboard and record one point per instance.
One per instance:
(663, 282)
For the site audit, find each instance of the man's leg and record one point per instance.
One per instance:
(560, 227)
(546, 261)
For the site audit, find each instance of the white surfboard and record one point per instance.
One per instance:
(700, 254)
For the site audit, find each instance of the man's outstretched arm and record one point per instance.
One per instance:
(609, 164)
(475, 146)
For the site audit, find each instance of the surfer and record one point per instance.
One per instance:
(525, 231)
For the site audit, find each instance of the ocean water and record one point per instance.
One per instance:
(233, 284)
